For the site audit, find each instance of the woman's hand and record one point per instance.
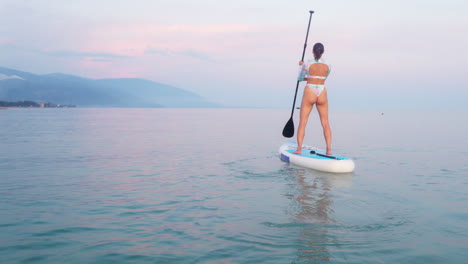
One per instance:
(300, 63)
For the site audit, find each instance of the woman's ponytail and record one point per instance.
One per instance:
(318, 50)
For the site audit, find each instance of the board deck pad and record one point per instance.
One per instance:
(307, 153)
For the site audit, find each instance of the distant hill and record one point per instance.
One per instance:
(83, 92)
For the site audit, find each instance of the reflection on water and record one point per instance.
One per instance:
(312, 208)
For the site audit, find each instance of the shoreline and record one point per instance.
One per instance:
(30, 107)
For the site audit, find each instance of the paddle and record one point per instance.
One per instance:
(288, 130)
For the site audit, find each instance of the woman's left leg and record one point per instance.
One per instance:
(308, 100)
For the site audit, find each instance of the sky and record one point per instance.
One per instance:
(245, 53)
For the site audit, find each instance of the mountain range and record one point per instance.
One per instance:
(67, 89)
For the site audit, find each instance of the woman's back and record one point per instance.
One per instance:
(318, 70)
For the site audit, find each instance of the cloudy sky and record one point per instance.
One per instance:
(403, 54)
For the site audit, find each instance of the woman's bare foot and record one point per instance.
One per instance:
(299, 151)
(329, 152)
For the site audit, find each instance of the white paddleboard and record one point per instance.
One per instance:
(316, 159)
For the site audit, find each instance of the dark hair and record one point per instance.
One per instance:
(318, 50)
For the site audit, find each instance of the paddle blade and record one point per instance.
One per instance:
(288, 130)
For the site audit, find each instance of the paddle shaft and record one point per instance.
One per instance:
(302, 59)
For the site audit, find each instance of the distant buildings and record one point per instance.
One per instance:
(32, 104)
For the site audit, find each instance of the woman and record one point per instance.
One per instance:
(315, 73)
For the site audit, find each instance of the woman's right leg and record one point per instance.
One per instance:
(322, 107)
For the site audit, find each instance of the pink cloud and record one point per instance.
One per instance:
(137, 39)
(146, 48)
(6, 40)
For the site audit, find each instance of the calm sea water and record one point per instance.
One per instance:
(207, 186)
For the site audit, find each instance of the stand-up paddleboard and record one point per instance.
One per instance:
(315, 159)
